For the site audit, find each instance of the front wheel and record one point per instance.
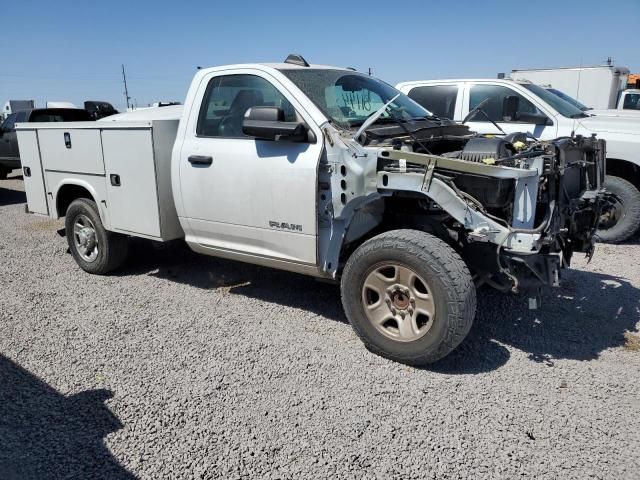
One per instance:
(94, 249)
(621, 217)
(409, 296)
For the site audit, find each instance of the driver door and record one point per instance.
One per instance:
(496, 107)
(242, 195)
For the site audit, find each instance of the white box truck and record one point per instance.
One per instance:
(331, 173)
(596, 87)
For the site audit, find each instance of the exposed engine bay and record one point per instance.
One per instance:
(514, 207)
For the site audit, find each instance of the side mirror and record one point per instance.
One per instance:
(511, 112)
(267, 123)
(510, 107)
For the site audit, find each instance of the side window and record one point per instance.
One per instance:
(10, 122)
(494, 108)
(438, 99)
(632, 101)
(227, 99)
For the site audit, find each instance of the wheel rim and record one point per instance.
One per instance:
(612, 213)
(398, 302)
(85, 238)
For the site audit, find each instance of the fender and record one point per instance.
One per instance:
(100, 200)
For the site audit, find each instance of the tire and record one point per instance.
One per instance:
(110, 249)
(628, 215)
(436, 272)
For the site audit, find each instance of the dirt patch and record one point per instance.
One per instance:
(632, 342)
(45, 226)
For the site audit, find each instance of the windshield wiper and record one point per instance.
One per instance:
(427, 117)
(372, 118)
(478, 109)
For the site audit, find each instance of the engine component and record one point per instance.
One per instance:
(482, 148)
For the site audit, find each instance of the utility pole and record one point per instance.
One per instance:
(126, 91)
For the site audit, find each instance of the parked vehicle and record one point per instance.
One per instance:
(629, 99)
(15, 106)
(511, 106)
(98, 109)
(330, 173)
(9, 153)
(598, 87)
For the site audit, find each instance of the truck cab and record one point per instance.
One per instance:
(237, 190)
(512, 106)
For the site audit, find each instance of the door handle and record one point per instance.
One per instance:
(200, 160)
(115, 179)
(26, 171)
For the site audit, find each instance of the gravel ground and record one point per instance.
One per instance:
(182, 366)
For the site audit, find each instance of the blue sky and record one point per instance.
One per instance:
(65, 50)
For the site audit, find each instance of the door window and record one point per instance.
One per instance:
(227, 99)
(632, 101)
(438, 99)
(494, 108)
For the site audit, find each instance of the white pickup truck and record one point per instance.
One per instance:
(331, 173)
(513, 106)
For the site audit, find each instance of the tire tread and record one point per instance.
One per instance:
(629, 225)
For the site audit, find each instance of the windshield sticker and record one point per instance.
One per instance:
(357, 100)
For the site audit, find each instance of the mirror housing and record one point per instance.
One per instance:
(267, 123)
(511, 113)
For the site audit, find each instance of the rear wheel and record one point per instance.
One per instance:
(94, 249)
(409, 296)
(621, 217)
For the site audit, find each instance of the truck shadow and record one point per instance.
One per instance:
(590, 313)
(11, 197)
(45, 434)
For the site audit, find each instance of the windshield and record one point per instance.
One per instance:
(348, 98)
(563, 107)
(569, 99)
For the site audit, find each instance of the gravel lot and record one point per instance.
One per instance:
(182, 366)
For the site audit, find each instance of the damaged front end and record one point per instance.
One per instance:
(515, 208)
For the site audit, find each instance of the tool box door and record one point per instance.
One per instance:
(131, 181)
(32, 172)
